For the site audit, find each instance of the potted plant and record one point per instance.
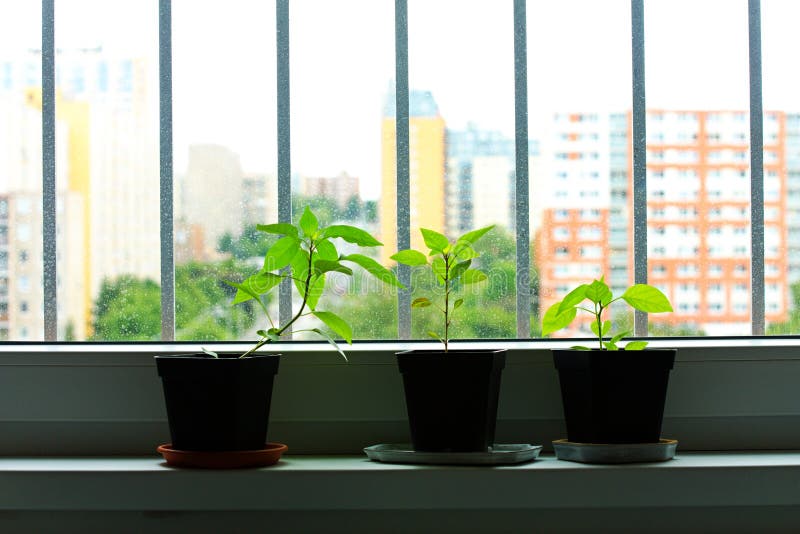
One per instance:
(611, 393)
(451, 395)
(221, 402)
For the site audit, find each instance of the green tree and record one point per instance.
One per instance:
(622, 321)
(371, 211)
(250, 244)
(792, 325)
(353, 210)
(489, 309)
(203, 310)
(127, 308)
(325, 209)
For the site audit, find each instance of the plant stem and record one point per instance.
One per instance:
(299, 313)
(598, 313)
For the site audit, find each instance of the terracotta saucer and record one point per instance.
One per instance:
(269, 455)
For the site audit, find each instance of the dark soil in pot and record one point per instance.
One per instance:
(218, 404)
(614, 396)
(451, 398)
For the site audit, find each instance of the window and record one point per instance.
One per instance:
(342, 159)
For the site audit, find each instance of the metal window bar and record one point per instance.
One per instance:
(522, 222)
(402, 163)
(166, 170)
(284, 147)
(50, 306)
(756, 171)
(639, 141)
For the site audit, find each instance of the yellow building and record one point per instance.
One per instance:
(426, 176)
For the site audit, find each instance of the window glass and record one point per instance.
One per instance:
(461, 79)
(698, 160)
(224, 105)
(781, 90)
(20, 169)
(342, 93)
(107, 147)
(579, 95)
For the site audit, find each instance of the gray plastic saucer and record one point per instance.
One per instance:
(612, 453)
(499, 454)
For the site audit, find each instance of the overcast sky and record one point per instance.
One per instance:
(461, 50)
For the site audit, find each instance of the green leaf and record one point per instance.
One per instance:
(259, 283)
(337, 324)
(434, 335)
(465, 252)
(595, 329)
(457, 304)
(474, 235)
(574, 297)
(272, 334)
(300, 272)
(439, 269)
(324, 266)
(579, 347)
(458, 269)
(599, 293)
(374, 268)
(309, 222)
(610, 346)
(300, 266)
(351, 234)
(281, 253)
(279, 229)
(473, 276)
(619, 336)
(647, 299)
(316, 290)
(330, 340)
(410, 257)
(326, 250)
(246, 291)
(554, 319)
(434, 240)
(421, 302)
(636, 345)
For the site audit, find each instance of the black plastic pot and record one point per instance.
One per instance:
(451, 398)
(614, 396)
(218, 404)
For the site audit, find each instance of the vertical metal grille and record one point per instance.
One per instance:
(49, 275)
(756, 170)
(49, 172)
(284, 148)
(639, 134)
(166, 181)
(522, 222)
(403, 182)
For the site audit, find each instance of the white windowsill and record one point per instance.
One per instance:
(347, 483)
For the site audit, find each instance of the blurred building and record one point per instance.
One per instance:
(21, 294)
(698, 212)
(215, 197)
(209, 199)
(340, 189)
(107, 167)
(260, 202)
(480, 180)
(426, 174)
